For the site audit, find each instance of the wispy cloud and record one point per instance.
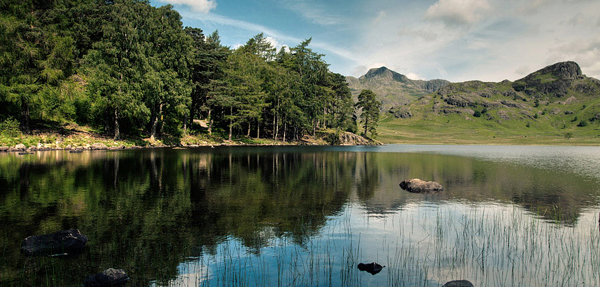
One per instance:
(314, 12)
(202, 6)
(276, 37)
(457, 12)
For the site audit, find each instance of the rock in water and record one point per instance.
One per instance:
(64, 242)
(417, 186)
(109, 277)
(372, 267)
(458, 283)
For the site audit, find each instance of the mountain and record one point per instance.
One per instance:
(558, 101)
(392, 88)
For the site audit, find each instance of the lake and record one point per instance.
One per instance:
(307, 216)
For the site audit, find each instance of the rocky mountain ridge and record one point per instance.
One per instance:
(393, 88)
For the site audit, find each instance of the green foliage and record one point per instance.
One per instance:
(370, 111)
(583, 123)
(477, 114)
(128, 68)
(10, 128)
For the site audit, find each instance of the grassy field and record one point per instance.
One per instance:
(428, 128)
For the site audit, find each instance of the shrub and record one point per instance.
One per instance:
(477, 114)
(568, 135)
(10, 128)
(582, 123)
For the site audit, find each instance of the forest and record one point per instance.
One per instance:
(128, 69)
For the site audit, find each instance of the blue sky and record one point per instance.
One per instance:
(456, 40)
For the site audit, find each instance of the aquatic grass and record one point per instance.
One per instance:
(495, 245)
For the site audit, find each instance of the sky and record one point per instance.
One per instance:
(455, 40)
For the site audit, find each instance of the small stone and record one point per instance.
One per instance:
(417, 186)
(372, 267)
(64, 242)
(458, 283)
(109, 277)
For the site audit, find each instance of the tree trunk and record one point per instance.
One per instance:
(155, 123)
(257, 129)
(210, 122)
(117, 132)
(185, 119)
(284, 130)
(25, 116)
(230, 122)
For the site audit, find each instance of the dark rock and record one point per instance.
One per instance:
(513, 104)
(64, 242)
(109, 277)
(417, 186)
(401, 112)
(458, 283)
(372, 267)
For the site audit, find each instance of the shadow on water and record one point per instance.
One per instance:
(146, 211)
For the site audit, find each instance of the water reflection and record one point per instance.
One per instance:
(147, 211)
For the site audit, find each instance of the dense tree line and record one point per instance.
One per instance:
(128, 68)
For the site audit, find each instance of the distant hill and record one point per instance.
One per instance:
(392, 88)
(557, 101)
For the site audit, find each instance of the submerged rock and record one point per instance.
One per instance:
(109, 277)
(458, 283)
(61, 243)
(372, 267)
(417, 186)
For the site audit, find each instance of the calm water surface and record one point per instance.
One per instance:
(306, 216)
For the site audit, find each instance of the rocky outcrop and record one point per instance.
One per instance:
(350, 139)
(563, 70)
(458, 283)
(420, 186)
(61, 243)
(401, 112)
(109, 277)
(372, 267)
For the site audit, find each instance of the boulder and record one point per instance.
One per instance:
(372, 267)
(109, 277)
(99, 146)
(418, 186)
(20, 147)
(4, 148)
(61, 243)
(458, 283)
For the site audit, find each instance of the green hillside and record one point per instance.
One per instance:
(555, 105)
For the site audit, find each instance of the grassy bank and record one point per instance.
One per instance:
(72, 136)
(456, 129)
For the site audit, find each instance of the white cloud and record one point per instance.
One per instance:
(457, 12)
(414, 76)
(577, 20)
(202, 6)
